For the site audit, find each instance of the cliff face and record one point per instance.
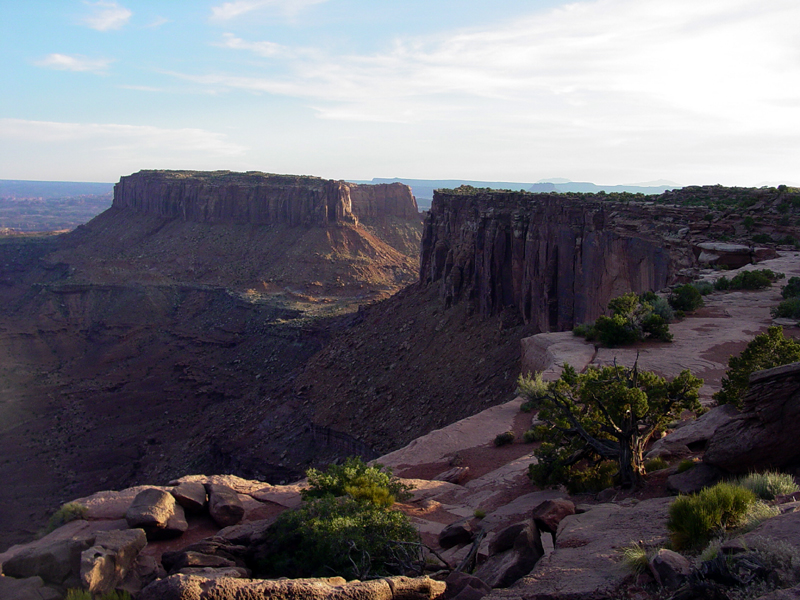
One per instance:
(555, 261)
(259, 198)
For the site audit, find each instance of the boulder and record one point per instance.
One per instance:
(721, 254)
(197, 559)
(57, 564)
(106, 564)
(512, 561)
(455, 475)
(758, 438)
(694, 479)
(191, 495)
(465, 587)
(670, 568)
(151, 510)
(786, 594)
(30, 588)
(550, 513)
(194, 587)
(694, 435)
(456, 534)
(224, 505)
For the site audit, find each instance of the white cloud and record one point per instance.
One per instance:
(266, 49)
(158, 22)
(615, 85)
(110, 137)
(107, 15)
(231, 10)
(75, 62)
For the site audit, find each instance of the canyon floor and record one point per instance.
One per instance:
(494, 481)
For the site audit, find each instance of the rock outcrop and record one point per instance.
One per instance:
(759, 438)
(555, 261)
(260, 198)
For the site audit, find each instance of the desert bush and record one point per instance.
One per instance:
(655, 464)
(769, 484)
(533, 388)
(694, 519)
(71, 511)
(754, 280)
(339, 536)
(787, 309)
(685, 465)
(792, 288)
(686, 298)
(704, 287)
(722, 284)
(770, 349)
(636, 557)
(762, 238)
(662, 308)
(582, 329)
(757, 514)
(531, 436)
(356, 479)
(479, 513)
(503, 439)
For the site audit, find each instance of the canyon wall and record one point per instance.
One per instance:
(555, 261)
(259, 198)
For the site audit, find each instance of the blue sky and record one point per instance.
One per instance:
(609, 91)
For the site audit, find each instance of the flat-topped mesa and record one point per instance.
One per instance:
(554, 260)
(258, 198)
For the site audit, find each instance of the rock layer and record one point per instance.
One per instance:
(259, 198)
(554, 261)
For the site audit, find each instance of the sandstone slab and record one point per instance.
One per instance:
(191, 495)
(151, 510)
(758, 438)
(30, 588)
(586, 562)
(224, 505)
(106, 564)
(692, 436)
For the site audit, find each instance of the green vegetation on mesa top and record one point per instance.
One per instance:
(227, 177)
(712, 196)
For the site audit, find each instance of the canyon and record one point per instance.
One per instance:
(259, 324)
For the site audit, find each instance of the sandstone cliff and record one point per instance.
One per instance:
(260, 198)
(554, 260)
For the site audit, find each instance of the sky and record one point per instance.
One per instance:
(608, 91)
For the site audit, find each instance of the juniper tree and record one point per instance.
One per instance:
(607, 413)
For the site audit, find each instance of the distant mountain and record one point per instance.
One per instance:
(14, 188)
(423, 188)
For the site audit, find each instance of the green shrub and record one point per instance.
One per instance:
(581, 330)
(792, 288)
(685, 465)
(686, 298)
(503, 439)
(339, 536)
(758, 513)
(530, 436)
(636, 557)
(357, 480)
(655, 464)
(591, 479)
(704, 287)
(762, 238)
(787, 309)
(615, 331)
(479, 513)
(71, 511)
(770, 349)
(534, 389)
(662, 308)
(693, 520)
(656, 328)
(722, 284)
(758, 279)
(769, 484)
